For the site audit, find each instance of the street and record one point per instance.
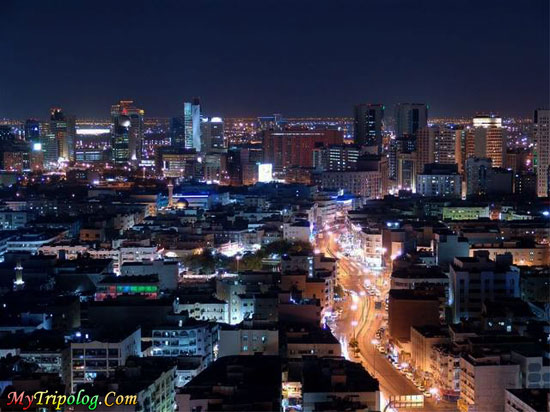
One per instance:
(359, 320)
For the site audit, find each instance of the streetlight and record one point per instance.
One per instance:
(238, 257)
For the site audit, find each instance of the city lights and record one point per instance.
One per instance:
(195, 198)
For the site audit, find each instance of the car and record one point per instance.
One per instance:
(421, 388)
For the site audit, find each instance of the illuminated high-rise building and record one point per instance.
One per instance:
(294, 147)
(336, 157)
(192, 124)
(425, 144)
(486, 139)
(127, 131)
(48, 146)
(212, 135)
(405, 144)
(541, 125)
(447, 145)
(368, 120)
(63, 127)
(409, 117)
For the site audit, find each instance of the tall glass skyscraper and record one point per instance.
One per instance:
(64, 129)
(127, 131)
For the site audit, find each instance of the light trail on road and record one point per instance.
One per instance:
(360, 309)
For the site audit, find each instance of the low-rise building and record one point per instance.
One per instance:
(475, 279)
(202, 307)
(248, 338)
(423, 338)
(235, 383)
(307, 340)
(338, 384)
(297, 232)
(167, 271)
(484, 377)
(527, 400)
(92, 356)
(192, 338)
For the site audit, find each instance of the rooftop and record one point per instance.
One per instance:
(538, 399)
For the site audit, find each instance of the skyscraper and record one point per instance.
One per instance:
(192, 124)
(486, 139)
(368, 125)
(32, 130)
(425, 144)
(63, 127)
(409, 117)
(405, 144)
(48, 145)
(212, 134)
(541, 124)
(127, 131)
(447, 145)
(177, 132)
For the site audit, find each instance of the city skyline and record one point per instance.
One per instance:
(292, 206)
(245, 59)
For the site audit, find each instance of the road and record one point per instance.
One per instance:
(361, 320)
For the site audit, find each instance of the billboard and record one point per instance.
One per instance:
(265, 172)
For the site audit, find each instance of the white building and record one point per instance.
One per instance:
(535, 370)
(445, 367)
(423, 338)
(297, 232)
(189, 339)
(483, 380)
(371, 243)
(70, 251)
(90, 358)
(203, 308)
(32, 242)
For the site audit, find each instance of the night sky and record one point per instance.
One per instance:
(256, 57)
